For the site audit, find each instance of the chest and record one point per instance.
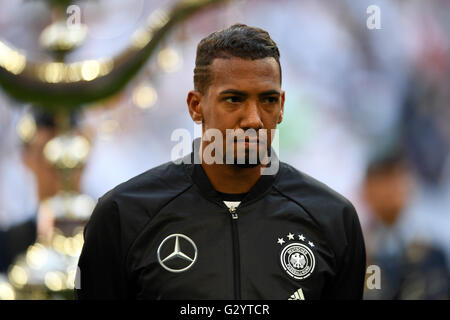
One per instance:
(254, 252)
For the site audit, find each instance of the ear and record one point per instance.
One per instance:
(194, 104)
(280, 116)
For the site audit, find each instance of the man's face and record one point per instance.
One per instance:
(243, 94)
(387, 192)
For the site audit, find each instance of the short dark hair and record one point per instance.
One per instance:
(238, 40)
(387, 161)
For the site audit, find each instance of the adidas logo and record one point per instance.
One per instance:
(298, 295)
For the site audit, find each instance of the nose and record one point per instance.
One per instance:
(251, 118)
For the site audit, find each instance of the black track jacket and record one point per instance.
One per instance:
(167, 234)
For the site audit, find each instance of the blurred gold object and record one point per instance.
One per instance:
(6, 289)
(6, 292)
(11, 59)
(169, 60)
(18, 276)
(58, 242)
(68, 245)
(55, 280)
(66, 34)
(141, 38)
(57, 72)
(36, 256)
(90, 70)
(70, 277)
(47, 269)
(158, 18)
(54, 72)
(45, 272)
(60, 37)
(70, 206)
(26, 128)
(67, 151)
(144, 96)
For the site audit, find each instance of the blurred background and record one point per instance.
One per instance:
(91, 92)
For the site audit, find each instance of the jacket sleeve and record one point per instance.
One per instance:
(101, 271)
(349, 281)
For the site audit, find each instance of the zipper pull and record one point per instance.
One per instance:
(233, 212)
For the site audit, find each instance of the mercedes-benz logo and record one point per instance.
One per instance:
(184, 260)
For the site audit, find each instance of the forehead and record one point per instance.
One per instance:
(245, 74)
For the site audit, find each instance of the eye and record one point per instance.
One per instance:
(270, 99)
(233, 99)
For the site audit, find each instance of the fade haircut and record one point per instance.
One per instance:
(238, 40)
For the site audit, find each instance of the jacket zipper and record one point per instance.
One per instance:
(236, 253)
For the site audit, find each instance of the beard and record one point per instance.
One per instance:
(250, 157)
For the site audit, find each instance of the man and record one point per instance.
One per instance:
(18, 197)
(395, 243)
(221, 230)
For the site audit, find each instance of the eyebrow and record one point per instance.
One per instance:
(241, 93)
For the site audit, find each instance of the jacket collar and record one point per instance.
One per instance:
(199, 177)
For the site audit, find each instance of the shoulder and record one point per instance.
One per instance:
(130, 205)
(151, 189)
(303, 187)
(325, 206)
(334, 215)
(166, 177)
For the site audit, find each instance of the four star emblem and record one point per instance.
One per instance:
(290, 236)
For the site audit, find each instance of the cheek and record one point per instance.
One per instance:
(209, 115)
(214, 119)
(270, 121)
(217, 120)
(218, 117)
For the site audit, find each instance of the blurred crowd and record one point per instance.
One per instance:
(366, 113)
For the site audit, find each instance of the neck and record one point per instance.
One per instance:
(228, 178)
